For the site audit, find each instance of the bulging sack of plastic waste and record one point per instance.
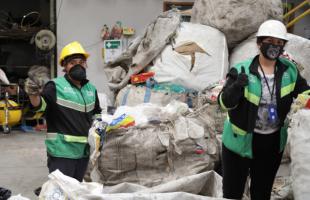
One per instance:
(162, 145)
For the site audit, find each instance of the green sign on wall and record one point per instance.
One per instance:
(112, 49)
(112, 44)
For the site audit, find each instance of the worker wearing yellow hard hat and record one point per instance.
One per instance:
(69, 102)
(73, 48)
(257, 99)
(73, 59)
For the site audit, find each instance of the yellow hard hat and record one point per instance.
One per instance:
(71, 49)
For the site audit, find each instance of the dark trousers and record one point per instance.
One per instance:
(262, 168)
(74, 168)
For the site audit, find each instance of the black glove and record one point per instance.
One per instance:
(233, 89)
(242, 79)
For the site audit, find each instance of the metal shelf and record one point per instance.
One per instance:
(24, 33)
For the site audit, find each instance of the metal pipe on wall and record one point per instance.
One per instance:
(53, 28)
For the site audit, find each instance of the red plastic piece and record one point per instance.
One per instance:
(141, 78)
(308, 104)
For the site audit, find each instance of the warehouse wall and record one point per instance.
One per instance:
(83, 20)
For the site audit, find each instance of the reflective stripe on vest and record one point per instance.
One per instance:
(43, 105)
(75, 106)
(223, 105)
(251, 97)
(287, 89)
(252, 92)
(306, 92)
(79, 139)
(82, 100)
(288, 79)
(68, 138)
(236, 129)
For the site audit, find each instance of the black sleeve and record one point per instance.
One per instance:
(48, 94)
(301, 85)
(97, 109)
(231, 92)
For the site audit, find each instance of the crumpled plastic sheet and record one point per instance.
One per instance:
(196, 187)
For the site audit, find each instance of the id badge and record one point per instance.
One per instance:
(272, 113)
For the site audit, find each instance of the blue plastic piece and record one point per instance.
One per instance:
(26, 128)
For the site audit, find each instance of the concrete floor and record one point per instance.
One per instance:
(22, 162)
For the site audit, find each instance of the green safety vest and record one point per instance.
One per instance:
(71, 145)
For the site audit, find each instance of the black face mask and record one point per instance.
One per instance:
(271, 51)
(78, 73)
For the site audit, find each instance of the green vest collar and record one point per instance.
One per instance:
(281, 67)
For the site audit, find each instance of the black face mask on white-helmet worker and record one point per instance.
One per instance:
(271, 51)
(77, 73)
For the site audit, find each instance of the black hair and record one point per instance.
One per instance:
(259, 40)
(68, 58)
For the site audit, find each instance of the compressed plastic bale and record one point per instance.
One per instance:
(133, 95)
(151, 156)
(300, 154)
(297, 47)
(236, 19)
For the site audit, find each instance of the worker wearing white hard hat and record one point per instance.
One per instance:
(258, 95)
(271, 38)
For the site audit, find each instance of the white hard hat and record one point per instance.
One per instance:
(272, 28)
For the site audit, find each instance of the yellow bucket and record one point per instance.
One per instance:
(14, 113)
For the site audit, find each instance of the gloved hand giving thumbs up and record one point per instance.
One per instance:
(242, 79)
(233, 89)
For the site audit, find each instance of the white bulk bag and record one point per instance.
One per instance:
(209, 67)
